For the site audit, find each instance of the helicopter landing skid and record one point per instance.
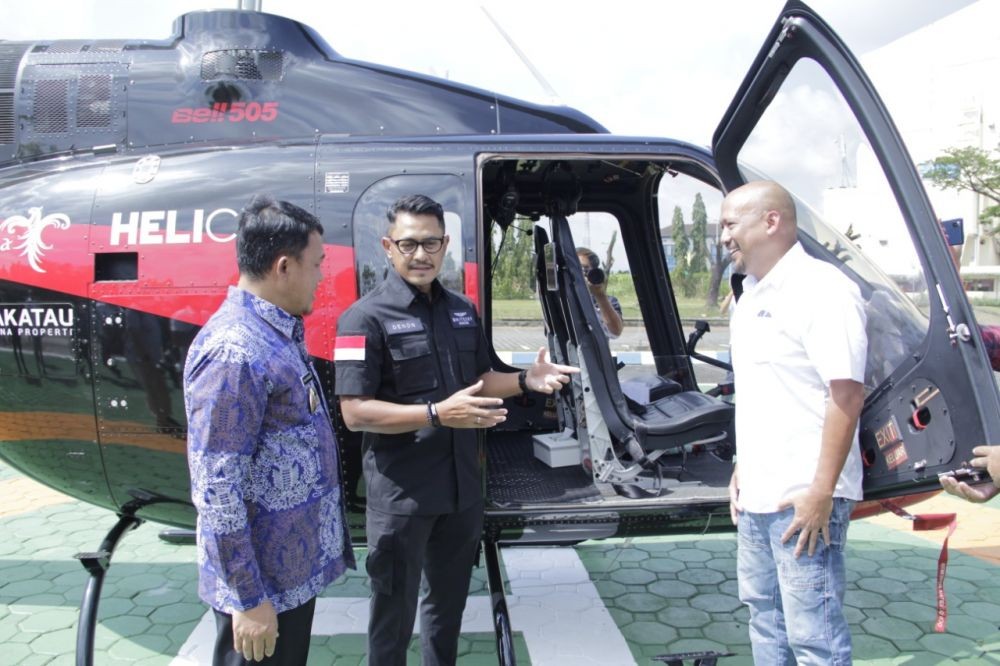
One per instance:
(498, 604)
(96, 563)
(708, 658)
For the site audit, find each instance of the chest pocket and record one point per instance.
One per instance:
(467, 343)
(412, 363)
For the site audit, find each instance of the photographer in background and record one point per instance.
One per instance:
(607, 307)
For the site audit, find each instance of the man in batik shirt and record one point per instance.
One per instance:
(272, 532)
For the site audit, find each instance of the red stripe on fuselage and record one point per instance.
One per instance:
(472, 283)
(180, 282)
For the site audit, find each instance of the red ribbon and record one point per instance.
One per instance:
(922, 523)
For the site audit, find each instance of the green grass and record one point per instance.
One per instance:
(690, 308)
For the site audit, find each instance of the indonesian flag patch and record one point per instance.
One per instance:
(349, 348)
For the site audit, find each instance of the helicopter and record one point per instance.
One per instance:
(124, 164)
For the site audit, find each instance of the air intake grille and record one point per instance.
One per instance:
(6, 117)
(67, 46)
(242, 64)
(50, 112)
(93, 103)
(10, 58)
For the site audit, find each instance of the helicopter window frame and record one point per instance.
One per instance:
(370, 224)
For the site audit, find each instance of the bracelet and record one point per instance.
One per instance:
(522, 381)
(432, 415)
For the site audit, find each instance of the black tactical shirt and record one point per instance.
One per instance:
(415, 350)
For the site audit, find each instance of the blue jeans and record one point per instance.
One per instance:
(796, 605)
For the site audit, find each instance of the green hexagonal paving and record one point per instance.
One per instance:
(180, 612)
(701, 576)
(649, 632)
(948, 646)
(640, 602)
(673, 589)
(969, 626)
(631, 555)
(16, 653)
(610, 589)
(47, 620)
(892, 628)
(691, 555)
(696, 645)
(728, 633)
(56, 642)
(715, 603)
(133, 649)
(24, 588)
(982, 609)
(724, 564)
(904, 575)
(665, 565)
(128, 625)
(884, 586)
(718, 544)
(683, 617)
(908, 610)
(633, 576)
(872, 647)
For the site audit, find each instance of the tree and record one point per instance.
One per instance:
(720, 261)
(609, 257)
(679, 235)
(699, 229)
(972, 170)
(513, 276)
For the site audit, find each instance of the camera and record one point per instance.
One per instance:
(595, 276)
(954, 231)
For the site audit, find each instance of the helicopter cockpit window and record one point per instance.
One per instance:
(518, 311)
(370, 225)
(809, 141)
(698, 265)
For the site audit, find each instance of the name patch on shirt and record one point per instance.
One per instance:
(403, 326)
(462, 319)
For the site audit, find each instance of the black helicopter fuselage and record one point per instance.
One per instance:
(123, 165)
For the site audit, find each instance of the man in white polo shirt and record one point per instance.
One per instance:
(798, 348)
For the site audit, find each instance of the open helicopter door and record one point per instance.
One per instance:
(807, 116)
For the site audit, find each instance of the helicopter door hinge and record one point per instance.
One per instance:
(956, 332)
(788, 28)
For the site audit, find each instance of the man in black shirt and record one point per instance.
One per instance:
(413, 372)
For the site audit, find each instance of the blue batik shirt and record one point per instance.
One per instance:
(263, 460)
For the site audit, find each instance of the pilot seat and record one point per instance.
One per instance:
(621, 439)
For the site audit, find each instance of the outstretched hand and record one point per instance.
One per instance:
(987, 459)
(547, 377)
(465, 409)
(977, 494)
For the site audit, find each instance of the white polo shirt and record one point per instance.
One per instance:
(793, 332)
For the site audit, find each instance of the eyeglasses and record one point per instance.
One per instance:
(409, 246)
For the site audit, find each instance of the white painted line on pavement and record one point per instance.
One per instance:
(553, 603)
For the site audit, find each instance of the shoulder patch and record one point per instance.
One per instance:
(349, 348)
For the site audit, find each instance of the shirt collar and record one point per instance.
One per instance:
(406, 292)
(288, 325)
(780, 272)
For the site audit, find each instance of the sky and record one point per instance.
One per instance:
(664, 69)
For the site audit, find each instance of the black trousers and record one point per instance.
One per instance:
(408, 555)
(291, 649)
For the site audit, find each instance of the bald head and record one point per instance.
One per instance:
(758, 226)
